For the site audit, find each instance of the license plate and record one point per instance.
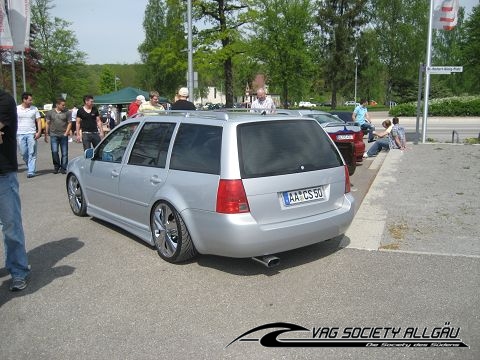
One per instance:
(345, 137)
(302, 196)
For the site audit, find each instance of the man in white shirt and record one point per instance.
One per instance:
(29, 130)
(263, 104)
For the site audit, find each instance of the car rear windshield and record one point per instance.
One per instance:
(325, 118)
(284, 147)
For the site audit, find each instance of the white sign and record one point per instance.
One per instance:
(444, 69)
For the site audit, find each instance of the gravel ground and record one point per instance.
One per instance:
(433, 205)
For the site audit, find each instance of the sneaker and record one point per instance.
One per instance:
(55, 171)
(365, 155)
(70, 140)
(63, 171)
(30, 176)
(18, 284)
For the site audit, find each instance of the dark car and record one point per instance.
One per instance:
(347, 137)
(346, 116)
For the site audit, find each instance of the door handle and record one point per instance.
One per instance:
(155, 180)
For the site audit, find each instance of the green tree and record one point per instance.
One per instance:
(61, 63)
(109, 81)
(221, 41)
(371, 74)
(164, 49)
(470, 50)
(401, 27)
(446, 50)
(340, 23)
(282, 31)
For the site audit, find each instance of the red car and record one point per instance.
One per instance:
(347, 137)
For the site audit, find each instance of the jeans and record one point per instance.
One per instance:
(90, 140)
(370, 128)
(61, 142)
(378, 145)
(28, 150)
(16, 260)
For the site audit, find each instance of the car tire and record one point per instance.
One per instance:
(76, 198)
(351, 169)
(170, 234)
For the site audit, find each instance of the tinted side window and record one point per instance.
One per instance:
(151, 145)
(284, 147)
(113, 148)
(197, 148)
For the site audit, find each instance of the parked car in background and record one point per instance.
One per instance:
(211, 106)
(347, 137)
(346, 116)
(306, 104)
(229, 184)
(351, 103)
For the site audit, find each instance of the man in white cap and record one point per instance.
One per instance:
(182, 103)
(133, 107)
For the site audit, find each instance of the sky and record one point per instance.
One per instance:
(109, 31)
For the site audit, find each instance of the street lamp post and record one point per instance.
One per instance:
(190, 77)
(115, 81)
(356, 67)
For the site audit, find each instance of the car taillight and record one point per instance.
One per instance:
(347, 179)
(231, 197)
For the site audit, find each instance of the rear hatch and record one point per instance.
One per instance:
(290, 169)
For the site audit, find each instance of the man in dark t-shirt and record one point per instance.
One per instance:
(182, 103)
(89, 124)
(16, 261)
(58, 127)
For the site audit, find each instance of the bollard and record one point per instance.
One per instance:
(454, 132)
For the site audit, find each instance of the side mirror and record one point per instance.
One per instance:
(89, 153)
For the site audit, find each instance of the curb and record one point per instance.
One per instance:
(368, 225)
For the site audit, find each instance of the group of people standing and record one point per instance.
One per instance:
(140, 105)
(20, 128)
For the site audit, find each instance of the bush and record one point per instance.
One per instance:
(452, 106)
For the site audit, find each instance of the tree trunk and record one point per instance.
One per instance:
(228, 71)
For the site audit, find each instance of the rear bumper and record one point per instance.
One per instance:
(359, 150)
(241, 236)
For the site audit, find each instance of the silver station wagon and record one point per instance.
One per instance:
(229, 184)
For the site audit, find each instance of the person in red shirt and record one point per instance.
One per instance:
(133, 107)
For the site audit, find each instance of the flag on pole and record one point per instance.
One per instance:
(445, 14)
(19, 19)
(5, 35)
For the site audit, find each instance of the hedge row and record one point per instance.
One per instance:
(452, 106)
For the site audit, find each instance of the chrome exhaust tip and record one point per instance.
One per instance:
(268, 261)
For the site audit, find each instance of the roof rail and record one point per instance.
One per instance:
(207, 114)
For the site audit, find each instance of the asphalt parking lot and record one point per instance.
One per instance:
(96, 292)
